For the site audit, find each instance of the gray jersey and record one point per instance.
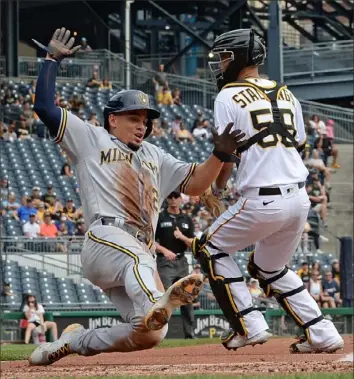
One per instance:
(115, 181)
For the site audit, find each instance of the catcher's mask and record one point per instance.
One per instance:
(232, 52)
(129, 100)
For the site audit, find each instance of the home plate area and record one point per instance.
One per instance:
(271, 358)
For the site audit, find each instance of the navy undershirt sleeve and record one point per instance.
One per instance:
(44, 104)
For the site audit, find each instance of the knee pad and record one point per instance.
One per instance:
(221, 287)
(290, 292)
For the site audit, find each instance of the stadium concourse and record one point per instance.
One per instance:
(40, 202)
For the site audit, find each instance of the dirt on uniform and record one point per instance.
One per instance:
(271, 358)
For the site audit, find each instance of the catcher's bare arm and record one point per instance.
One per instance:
(207, 172)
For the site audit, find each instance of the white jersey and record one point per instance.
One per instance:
(115, 181)
(273, 161)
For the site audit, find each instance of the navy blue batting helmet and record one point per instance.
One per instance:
(129, 100)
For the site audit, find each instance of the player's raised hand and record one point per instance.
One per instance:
(60, 46)
(227, 143)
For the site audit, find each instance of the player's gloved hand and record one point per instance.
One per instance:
(60, 46)
(227, 143)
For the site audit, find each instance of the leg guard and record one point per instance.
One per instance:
(290, 292)
(221, 286)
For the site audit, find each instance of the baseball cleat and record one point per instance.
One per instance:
(232, 341)
(303, 346)
(184, 291)
(51, 352)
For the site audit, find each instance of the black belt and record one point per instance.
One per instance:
(132, 230)
(275, 190)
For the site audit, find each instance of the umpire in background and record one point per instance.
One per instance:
(174, 235)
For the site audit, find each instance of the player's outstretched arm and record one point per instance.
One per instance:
(207, 172)
(60, 46)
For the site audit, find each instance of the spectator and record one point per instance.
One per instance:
(254, 289)
(330, 130)
(36, 196)
(55, 208)
(175, 125)
(9, 98)
(316, 267)
(28, 114)
(184, 134)
(62, 227)
(63, 103)
(198, 120)
(49, 195)
(70, 211)
(317, 125)
(81, 227)
(76, 103)
(6, 294)
(4, 189)
(94, 82)
(66, 170)
(318, 199)
(160, 79)
(106, 84)
(84, 45)
(63, 219)
(318, 164)
(331, 294)
(315, 287)
(34, 314)
(325, 144)
(94, 120)
(164, 97)
(25, 211)
(10, 206)
(336, 271)
(200, 131)
(304, 272)
(40, 212)
(31, 229)
(176, 97)
(48, 229)
(10, 134)
(157, 131)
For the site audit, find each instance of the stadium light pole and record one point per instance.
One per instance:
(127, 42)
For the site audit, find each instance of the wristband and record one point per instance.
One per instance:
(224, 157)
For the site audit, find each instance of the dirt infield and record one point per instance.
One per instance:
(273, 357)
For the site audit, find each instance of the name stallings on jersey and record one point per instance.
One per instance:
(274, 160)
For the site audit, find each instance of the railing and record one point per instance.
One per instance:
(60, 256)
(319, 59)
(109, 66)
(343, 118)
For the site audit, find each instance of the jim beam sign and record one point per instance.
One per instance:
(103, 322)
(210, 326)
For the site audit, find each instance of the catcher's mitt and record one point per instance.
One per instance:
(213, 203)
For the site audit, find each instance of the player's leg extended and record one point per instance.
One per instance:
(267, 264)
(232, 231)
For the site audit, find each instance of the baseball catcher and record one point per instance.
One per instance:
(273, 207)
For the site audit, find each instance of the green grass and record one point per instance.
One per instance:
(295, 376)
(19, 352)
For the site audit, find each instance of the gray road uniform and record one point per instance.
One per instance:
(121, 193)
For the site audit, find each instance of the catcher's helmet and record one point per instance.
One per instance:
(129, 100)
(242, 47)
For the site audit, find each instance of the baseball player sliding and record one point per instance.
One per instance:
(123, 181)
(273, 206)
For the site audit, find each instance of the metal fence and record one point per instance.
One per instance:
(2, 66)
(343, 118)
(108, 65)
(318, 59)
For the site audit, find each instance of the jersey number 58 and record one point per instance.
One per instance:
(261, 119)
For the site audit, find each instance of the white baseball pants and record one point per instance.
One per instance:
(275, 225)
